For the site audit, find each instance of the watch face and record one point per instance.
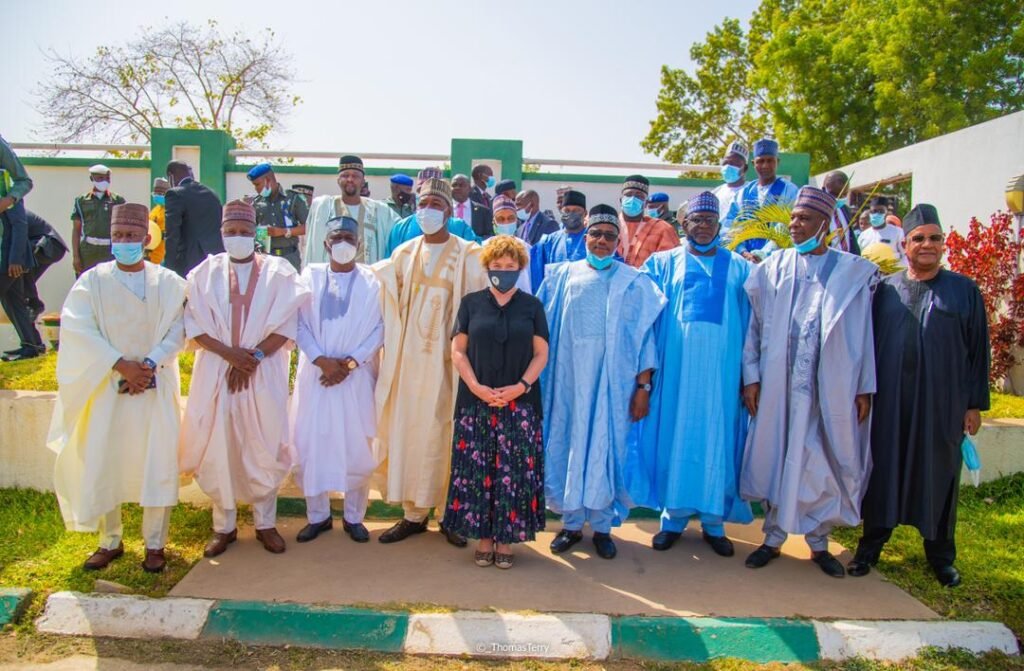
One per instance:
(352, 365)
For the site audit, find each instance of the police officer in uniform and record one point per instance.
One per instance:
(90, 221)
(283, 213)
(304, 190)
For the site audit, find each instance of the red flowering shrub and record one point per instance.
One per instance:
(990, 257)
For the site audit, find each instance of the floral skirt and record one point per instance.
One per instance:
(496, 488)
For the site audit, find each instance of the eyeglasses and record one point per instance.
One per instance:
(936, 238)
(610, 236)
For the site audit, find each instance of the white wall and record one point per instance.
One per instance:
(963, 174)
(52, 197)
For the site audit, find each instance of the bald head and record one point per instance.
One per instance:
(460, 188)
(835, 182)
(528, 200)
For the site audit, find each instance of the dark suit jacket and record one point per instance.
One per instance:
(49, 247)
(15, 247)
(542, 225)
(480, 219)
(192, 226)
(478, 196)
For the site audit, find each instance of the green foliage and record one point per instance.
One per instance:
(843, 80)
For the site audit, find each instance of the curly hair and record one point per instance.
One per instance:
(504, 245)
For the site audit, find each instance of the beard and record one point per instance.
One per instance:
(350, 189)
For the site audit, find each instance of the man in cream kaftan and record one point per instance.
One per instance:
(121, 321)
(242, 311)
(422, 285)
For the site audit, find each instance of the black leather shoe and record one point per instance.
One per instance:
(828, 563)
(861, 563)
(604, 545)
(21, 354)
(456, 539)
(948, 576)
(720, 544)
(663, 540)
(311, 531)
(760, 557)
(356, 532)
(565, 540)
(402, 530)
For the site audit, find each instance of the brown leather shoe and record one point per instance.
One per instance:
(155, 562)
(272, 541)
(101, 558)
(219, 543)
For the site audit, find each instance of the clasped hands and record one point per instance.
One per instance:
(500, 397)
(136, 375)
(333, 371)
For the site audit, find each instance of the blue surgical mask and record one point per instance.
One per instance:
(653, 213)
(491, 182)
(599, 262)
(265, 192)
(704, 248)
(126, 253)
(505, 229)
(840, 203)
(158, 199)
(877, 219)
(811, 243)
(632, 206)
(730, 174)
(503, 281)
(522, 214)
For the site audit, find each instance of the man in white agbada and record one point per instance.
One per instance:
(375, 218)
(242, 313)
(422, 285)
(809, 373)
(333, 417)
(115, 425)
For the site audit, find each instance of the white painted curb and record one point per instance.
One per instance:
(896, 640)
(549, 636)
(123, 616)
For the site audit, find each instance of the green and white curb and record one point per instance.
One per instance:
(488, 634)
(12, 602)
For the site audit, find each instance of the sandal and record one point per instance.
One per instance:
(483, 558)
(502, 560)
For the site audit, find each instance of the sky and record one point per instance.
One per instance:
(572, 79)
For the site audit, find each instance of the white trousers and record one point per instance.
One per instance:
(318, 507)
(264, 515)
(155, 524)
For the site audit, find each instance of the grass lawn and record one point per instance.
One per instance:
(37, 553)
(989, 538)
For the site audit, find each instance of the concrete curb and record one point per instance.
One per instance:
(12, 602)
(512, 635)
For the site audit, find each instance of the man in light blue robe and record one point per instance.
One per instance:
(408, 228)
(692, 441)
(808, 375)
(596, 385)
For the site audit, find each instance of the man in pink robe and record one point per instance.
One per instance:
(241, 314)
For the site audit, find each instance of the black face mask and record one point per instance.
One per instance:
(573, 221)
(503, 280)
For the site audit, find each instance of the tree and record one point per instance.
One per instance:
(844, 80)
(178, 75)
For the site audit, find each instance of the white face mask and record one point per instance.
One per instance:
(343, 252)
(239, 247)
(430, 220)
(101, 185)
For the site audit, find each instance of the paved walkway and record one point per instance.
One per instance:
(688, 580)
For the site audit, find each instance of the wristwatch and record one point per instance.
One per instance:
(149, 363)
(646, 386)
(259, 355)
(287, 232)
(352, 365)
(526, 384)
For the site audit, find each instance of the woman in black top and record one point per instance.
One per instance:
(496, 489)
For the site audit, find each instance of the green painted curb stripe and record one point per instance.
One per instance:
(265, 623)
(704, 639)
(12, 602)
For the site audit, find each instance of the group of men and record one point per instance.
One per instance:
(662, 408)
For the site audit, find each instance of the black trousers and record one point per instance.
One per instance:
(939, 552)
(31, 278)
(12, 299)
